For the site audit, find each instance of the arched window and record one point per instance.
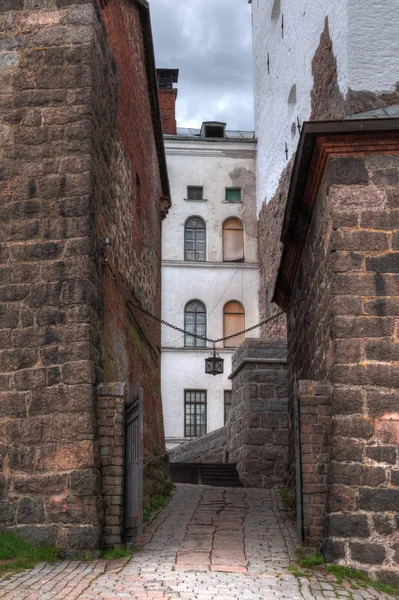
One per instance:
(195, 322)
(233, 321)
(194, 240)
(233, 241)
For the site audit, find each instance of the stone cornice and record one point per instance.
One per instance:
(319, 142)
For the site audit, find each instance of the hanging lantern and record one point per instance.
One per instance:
(214, 364)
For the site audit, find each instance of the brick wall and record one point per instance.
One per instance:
(111, 401)
(257, 433)
(128, 213)
(345, 331)
(76, 138)
(167, 99)
(315, 439)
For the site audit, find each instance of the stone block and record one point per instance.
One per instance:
(383, 524)
(389, 263)
(64, 457)
(382, 400)
(51, 484)
(353, 427)
(356, 240)
(259, 437)
(379, 500)
(361, 327)
(78, 372)
(36, 534)
(342, 498)
(347, 526)
(347, 171)
(73, 509)
(385, 454)
(343, 449)
(389, 576)
(7, 512)
(8, 60)
(357, 474)
(84, 537)
(30, 510)
(367, 552)
(30, 379)
(13, 404)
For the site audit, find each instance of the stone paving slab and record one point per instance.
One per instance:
(206, 544)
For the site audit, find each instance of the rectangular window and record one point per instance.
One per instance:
(233, 194)
(195, 192)
(227, 404)
(194, 413)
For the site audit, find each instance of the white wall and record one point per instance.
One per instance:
(214, 166)
(190, 375)
(365, 36)
(214, 286)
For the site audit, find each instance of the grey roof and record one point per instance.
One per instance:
(230, 134)
(378, 113)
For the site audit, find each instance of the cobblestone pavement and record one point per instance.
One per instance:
(207, 543)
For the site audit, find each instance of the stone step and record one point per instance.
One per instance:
(218, 475)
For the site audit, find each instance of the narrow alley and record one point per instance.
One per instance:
(207, 543)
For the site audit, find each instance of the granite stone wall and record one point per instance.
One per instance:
(79, 163)
(344, 331)
(257, 429)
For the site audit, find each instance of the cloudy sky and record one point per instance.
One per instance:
(209, 41)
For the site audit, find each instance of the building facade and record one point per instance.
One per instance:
(82, 147)
(328, 204)
(209, 270)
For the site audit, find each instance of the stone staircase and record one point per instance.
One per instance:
(218, 475)
(210, 448)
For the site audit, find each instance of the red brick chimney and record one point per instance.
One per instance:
(167, 98)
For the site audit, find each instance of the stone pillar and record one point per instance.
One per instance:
(111, 400)
(257, 430)
(315, 437)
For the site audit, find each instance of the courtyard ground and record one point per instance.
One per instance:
(207, 543)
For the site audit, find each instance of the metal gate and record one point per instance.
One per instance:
(298, 470)
(134, 466)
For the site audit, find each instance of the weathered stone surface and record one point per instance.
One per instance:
(382, 453)
(348, 526)
(378, 500)
(367, 553)
(30, 510)
(383, 524)
(257, 430)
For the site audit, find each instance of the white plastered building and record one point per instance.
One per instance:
(209, 271)
(286, 36)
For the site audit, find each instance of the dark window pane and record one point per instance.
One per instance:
(194, 192)
(233, 194)
(194, 240)
(194, 413)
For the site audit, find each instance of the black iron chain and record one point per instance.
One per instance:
(206, 339)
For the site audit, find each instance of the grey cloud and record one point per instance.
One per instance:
(209, 41)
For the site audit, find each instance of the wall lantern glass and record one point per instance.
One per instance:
(214, 364)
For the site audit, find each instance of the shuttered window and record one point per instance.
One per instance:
(233, 241)
(233, 322)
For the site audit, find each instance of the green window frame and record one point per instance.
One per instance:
(233, 195)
